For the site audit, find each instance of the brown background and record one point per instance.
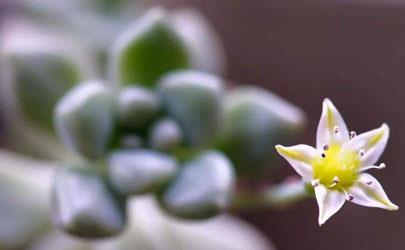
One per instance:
(350, 51)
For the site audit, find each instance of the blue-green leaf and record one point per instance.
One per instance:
(84, 119)
(193, 100)
(136, 107)
(255, 120)
(138, 171)
(83, 205)
(165, 135)
(203, 188)
(147, 50)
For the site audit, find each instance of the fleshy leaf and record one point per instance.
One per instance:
(165, 135)
(40, 79)
(84, 206)
(203, 188)
(84, 119)
(193, 100)
(136, 107)
(139, 171)
(147, 50)
(205, 48)
(255, 120)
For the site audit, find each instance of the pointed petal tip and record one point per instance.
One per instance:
(320, 223)
(326, 100)
(371, 195)
(388, 205)
(322, 220)
(282, 150)
(279, 147)
(327, 103)
(392, 207)
(385, 126)
(329, 202)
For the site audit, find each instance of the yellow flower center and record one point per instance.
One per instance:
(336, 169)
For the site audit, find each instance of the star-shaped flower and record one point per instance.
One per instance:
(335, 168)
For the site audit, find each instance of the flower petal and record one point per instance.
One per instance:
(300, 158)
(368, 192)
(329, 202)
(330, 120)
(372, 142)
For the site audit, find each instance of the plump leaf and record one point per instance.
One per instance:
(139, 171)
(149, 228)
(136, 107)
(255, 120)
(37, 66)
(84, 119)
(193, 100)
(203, 188)
(40, 79)
(203, 43)
(83, 205)
(129, 141)
(147, 50)
(165, 135)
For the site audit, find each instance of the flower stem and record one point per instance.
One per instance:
(277, 196)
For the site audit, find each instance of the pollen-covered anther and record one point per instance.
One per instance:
(325, 147)
(352, 134)
(382, 165)
(336, 129)
(315, 183)
(362, 152)
(349, 197)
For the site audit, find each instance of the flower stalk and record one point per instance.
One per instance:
(276, 196)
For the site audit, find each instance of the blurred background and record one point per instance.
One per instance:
(352, 51)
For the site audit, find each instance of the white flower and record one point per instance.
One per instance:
(335, 168)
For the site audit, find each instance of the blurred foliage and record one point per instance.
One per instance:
(84, 119)
(139, 171)
(147, 50)
(83, 204)
(248, 138)
(193, 100)
(203, 187)
(24, 196)
(139, 110)
(35, 75)
(165, 135)
(136, 107)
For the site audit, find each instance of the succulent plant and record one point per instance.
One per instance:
(162, 127)
(161, 121)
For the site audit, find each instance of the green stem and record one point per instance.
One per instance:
(276, 196)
